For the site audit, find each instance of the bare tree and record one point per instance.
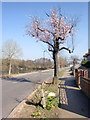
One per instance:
(11, 51)
(53, 31)
(62, 62)
(75, 60)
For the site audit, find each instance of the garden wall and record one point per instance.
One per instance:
(82, 80)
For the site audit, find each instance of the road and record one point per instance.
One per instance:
(15, 90)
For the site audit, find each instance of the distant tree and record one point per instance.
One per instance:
(11, 51)
(75, 60)
(43, 63)
(54, 32)
(62, 62)
(4, 66)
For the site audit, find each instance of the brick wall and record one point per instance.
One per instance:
(83, 81)
(89, 72)
(77, 77)
(85, 86)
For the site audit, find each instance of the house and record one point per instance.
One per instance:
(87, 55)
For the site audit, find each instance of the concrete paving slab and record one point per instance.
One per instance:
(74, 103)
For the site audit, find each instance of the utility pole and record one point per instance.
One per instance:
(44, 58)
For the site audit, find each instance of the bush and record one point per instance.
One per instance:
(85, 63)
(51, 101)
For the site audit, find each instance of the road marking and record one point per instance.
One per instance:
(14, 82)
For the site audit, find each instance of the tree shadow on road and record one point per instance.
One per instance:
(72, 99)
(23, 80)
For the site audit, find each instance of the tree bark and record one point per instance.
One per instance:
(55, 79)
(10, 68)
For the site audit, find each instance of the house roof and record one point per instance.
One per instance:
(87, 54)
(81, 67)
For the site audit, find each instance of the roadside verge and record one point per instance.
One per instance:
(19, 107)
(22, 74)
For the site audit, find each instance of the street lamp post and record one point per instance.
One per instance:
(44, 58)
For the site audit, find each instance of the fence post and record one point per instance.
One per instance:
(78, 78)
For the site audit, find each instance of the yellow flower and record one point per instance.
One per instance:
(43, 118)
(33, 114)
(39, 113)
(48, 96)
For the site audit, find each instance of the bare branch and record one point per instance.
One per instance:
(11, 49)
(50, 50)
(66, 49)
(48, 43)
(61, 38)
(48, 15)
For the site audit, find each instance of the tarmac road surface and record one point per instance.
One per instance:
(15, 90)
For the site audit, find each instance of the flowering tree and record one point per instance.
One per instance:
(53, 31)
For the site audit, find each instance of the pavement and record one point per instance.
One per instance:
(17, 89)
(73, 102)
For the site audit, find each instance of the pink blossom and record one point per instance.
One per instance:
(56, 26)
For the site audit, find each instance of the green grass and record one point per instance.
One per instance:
(51, 101)
(61, 73)
(51, 88)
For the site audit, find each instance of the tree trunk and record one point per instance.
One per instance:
(43, 98)
(55, 79)
(10, 68)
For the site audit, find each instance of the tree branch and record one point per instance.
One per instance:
(66, 49)
(71, 28)
(61, 38)
(48, 15)
(42, 30)
(43, 40)
(50, 50)
(47, 43)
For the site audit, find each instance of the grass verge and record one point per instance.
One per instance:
(61, 73)
(34, 109)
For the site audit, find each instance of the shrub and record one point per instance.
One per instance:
(51, 101)
(85, 63)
